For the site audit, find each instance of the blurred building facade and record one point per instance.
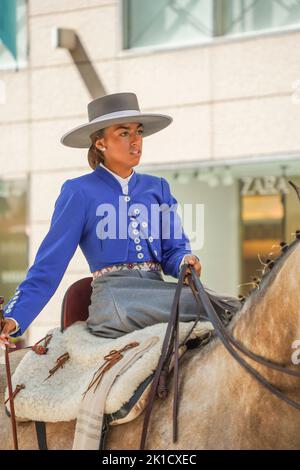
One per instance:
(227, 71)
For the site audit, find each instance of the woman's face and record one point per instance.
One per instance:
(123, 144)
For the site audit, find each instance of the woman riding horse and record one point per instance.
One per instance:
(106, 213)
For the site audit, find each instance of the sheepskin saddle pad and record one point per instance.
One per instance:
(58, 397)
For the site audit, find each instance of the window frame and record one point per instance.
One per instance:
(214, 41)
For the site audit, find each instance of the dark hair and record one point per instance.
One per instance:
(95, 156)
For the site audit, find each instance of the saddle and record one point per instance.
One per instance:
(45, 386)
(49, 382)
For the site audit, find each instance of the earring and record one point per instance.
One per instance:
(102, 148)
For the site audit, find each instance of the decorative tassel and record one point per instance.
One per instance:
(60, 361)
(15, 393)
(110, 360)
(256, 281)
(284, 246)
(270, 263)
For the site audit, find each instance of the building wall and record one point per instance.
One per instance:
(229, 99)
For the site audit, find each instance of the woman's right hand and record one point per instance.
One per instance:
(7, 327)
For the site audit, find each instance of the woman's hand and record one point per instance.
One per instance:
(193, 261)
(7, 327)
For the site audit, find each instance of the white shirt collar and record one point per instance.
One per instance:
(123, 181)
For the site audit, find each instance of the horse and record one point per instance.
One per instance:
(221, 406)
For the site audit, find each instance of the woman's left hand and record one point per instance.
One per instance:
(193, 261)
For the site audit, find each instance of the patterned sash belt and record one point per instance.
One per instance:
(145, 266)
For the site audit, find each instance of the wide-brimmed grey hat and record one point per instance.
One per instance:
(110, 110)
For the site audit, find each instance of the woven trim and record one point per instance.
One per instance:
(145, 266)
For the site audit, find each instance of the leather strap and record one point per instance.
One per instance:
(11, 398)
(171, 340)
(229, 342)
(40, 429)
(200, 293)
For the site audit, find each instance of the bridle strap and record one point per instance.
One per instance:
(219, 327)
(170, 345)
(167, 347)
(228, 341)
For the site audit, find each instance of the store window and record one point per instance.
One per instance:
(181, 22)
(270, 214)
(249, 209)
(262, 226)
(13, 236)
(13, 34)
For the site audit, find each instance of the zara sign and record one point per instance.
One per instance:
(263, 186)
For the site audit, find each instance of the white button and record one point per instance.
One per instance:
(144, 224)
(127, 198)
(136, 211)
(140, 255)
(8, 310)
(155, 252)
(150, 239)
(137, 240)
(138, 247)
(135, 232)
(134, 224)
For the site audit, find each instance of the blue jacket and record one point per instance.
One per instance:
(80, 217)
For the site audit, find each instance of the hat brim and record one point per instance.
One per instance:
(79, 137)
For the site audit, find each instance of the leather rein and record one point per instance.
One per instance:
(170, 346)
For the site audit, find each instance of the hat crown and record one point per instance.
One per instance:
(111, 104)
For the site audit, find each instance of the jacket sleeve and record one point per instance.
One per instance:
(51, 260)
(175, 243)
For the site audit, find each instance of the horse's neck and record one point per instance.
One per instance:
(269, 321)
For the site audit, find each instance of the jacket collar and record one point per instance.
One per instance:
(112, 181)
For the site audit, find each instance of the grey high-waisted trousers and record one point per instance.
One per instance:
(127, 300)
